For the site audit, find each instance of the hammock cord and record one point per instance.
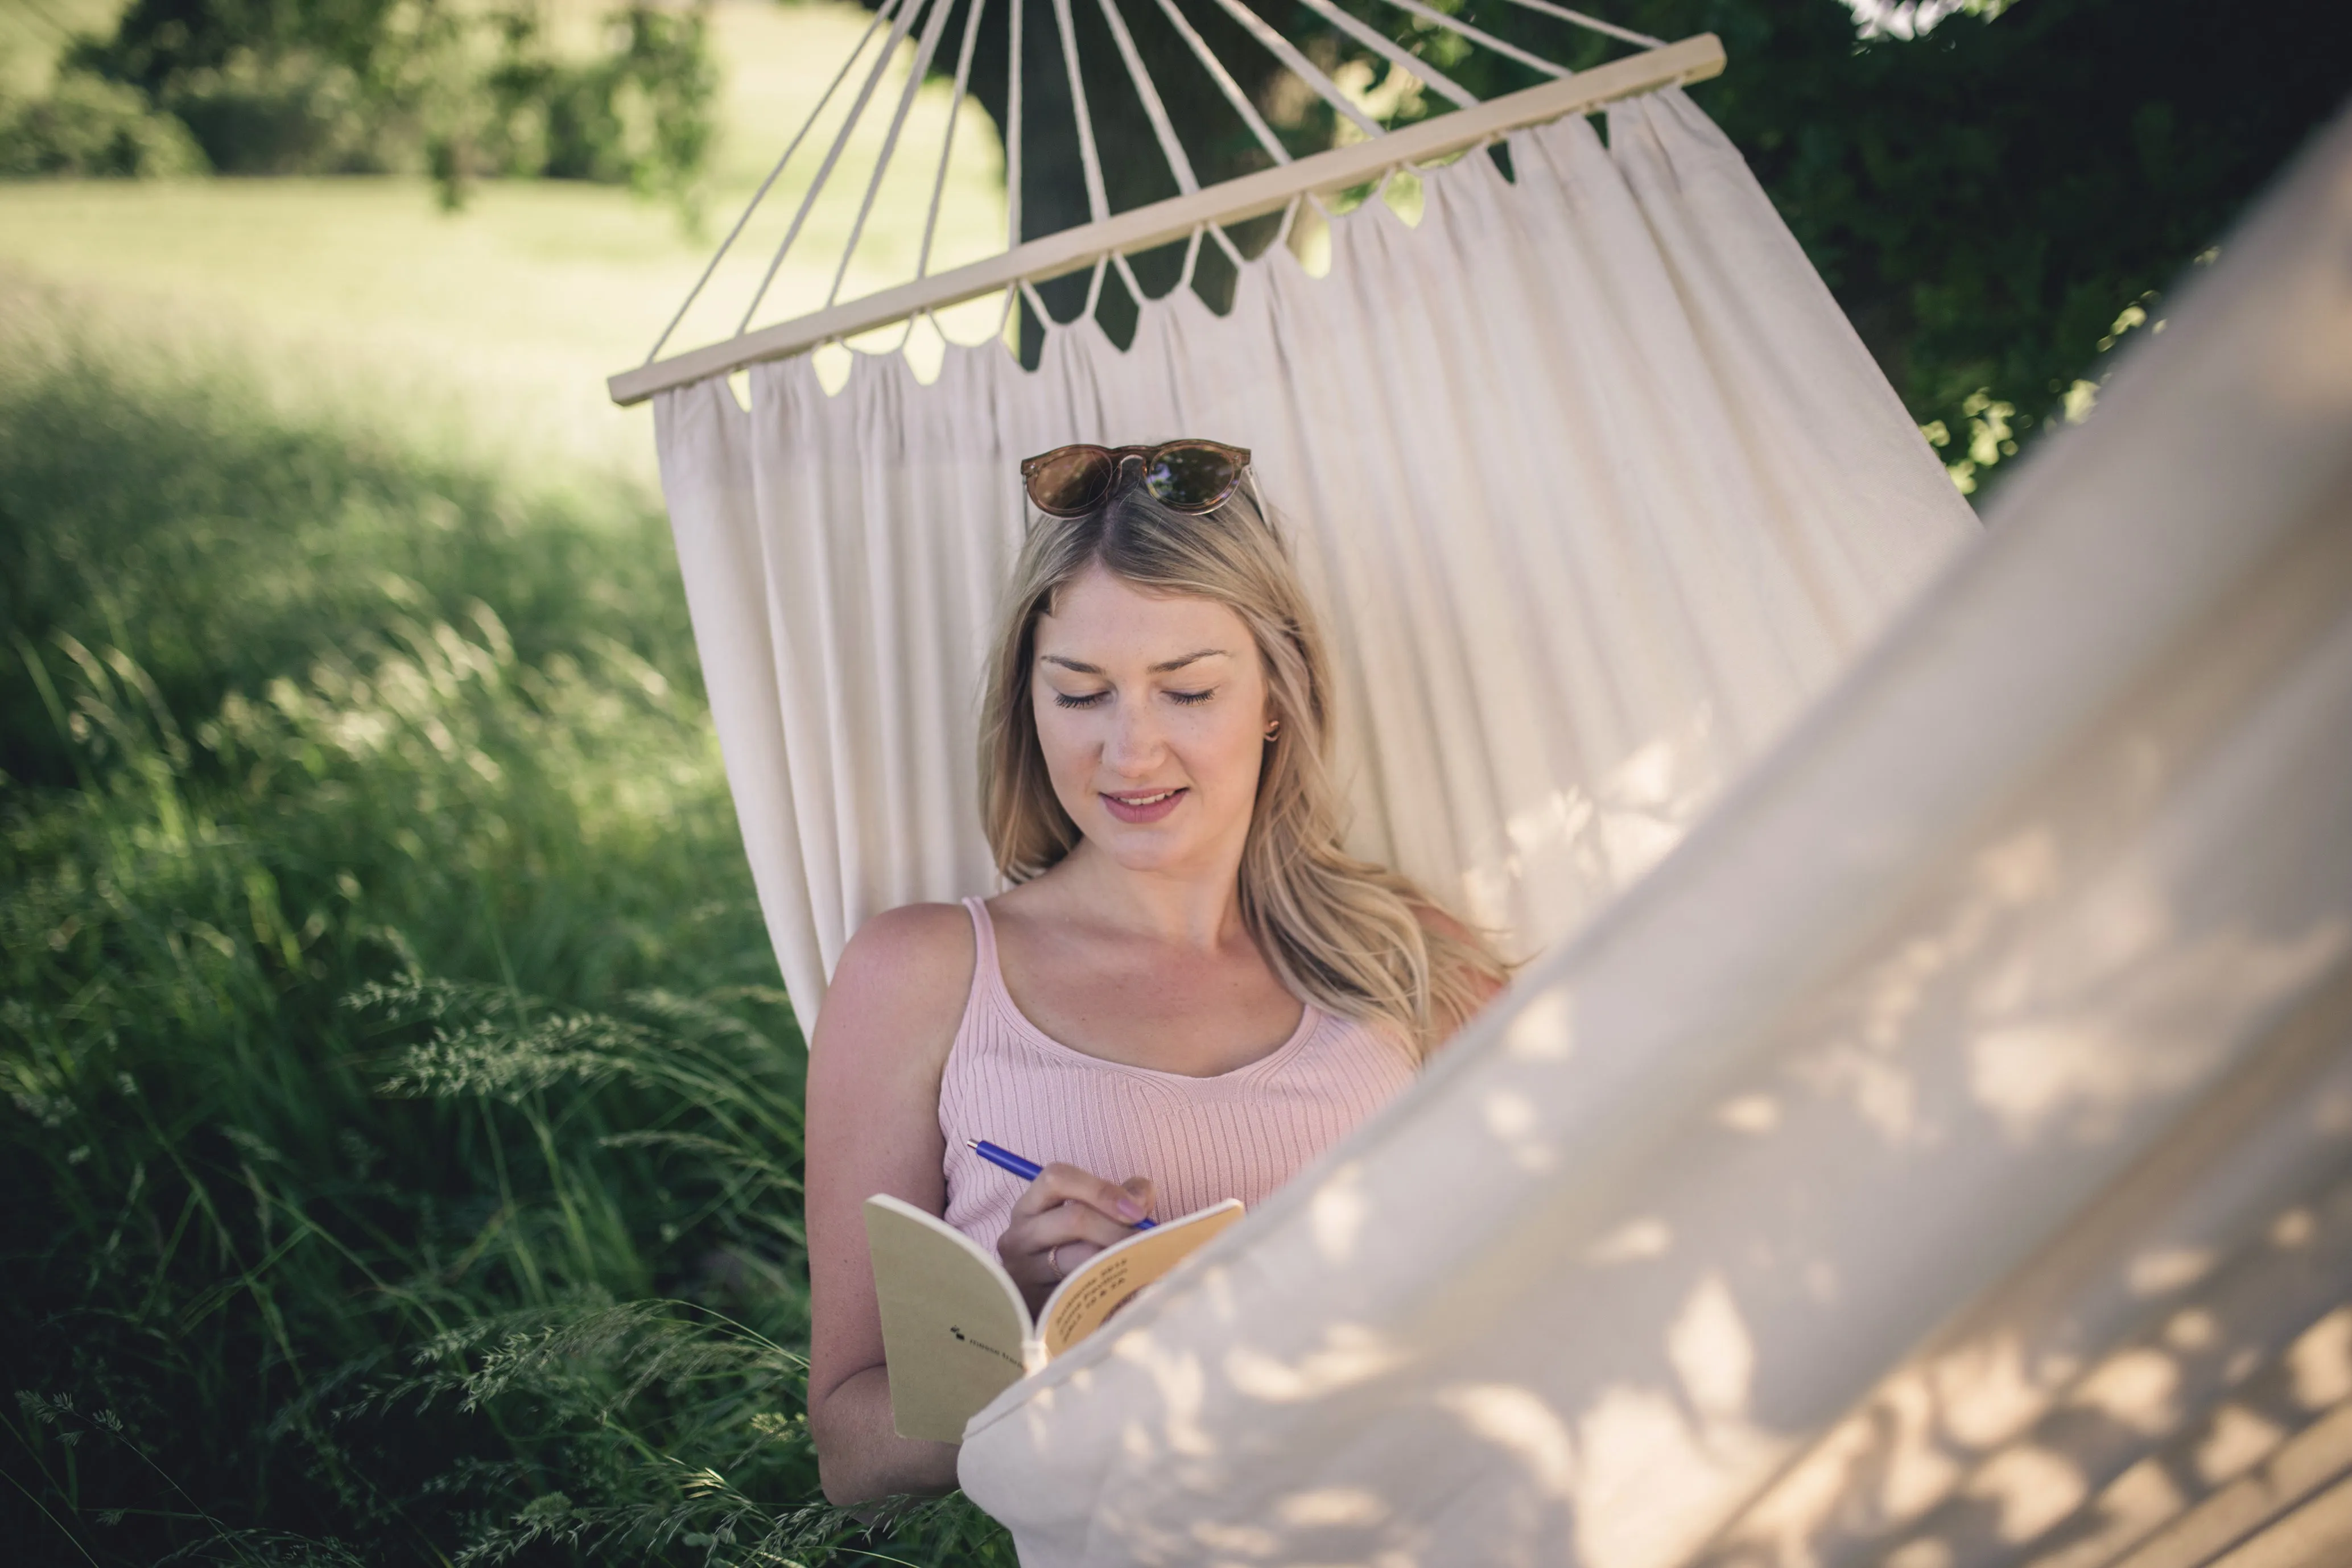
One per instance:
(1380, 43)
(1593, 24)
(946, 143)
(1225, 243)
(1480, 36)
(1046, 322)
(761, 195)
(1283, 50)
(1149, 91)
(899, 27)
(901, 15)
(1226, 84)
(933, 30)
(1127, 275)
(1097, 202)
(1009, 328)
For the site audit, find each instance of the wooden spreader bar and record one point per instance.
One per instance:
(1693, 59)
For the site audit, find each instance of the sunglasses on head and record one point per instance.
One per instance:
(1183, 476)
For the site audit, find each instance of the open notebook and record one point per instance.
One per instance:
(955, 1329)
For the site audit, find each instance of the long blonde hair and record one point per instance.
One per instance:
(1340, 933)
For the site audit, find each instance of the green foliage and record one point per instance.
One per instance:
(163, 511)
(402, 1124)
(1983, 199)
(289, 113)
(91, 127)
(640, 115)
(267, 87)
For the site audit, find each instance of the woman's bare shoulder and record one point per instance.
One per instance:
(1483, 987)
(1437, 923)
(912, 933)
(1436, 920)
(904, 977)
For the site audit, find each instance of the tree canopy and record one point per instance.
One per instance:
(1993, 202)
(463, 89)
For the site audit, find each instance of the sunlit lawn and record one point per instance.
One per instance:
(348, 707)
(505, 318)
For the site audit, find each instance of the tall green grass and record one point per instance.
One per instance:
(402, 1124)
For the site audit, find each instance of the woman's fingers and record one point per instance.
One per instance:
(1059, 1183)
(1066, 1218)
(1071, 1224)
(1041, 1251)
(1140, 1189)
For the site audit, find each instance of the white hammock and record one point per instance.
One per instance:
(1599, 490)
(1944, 1159)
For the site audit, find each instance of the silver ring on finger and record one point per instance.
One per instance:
(1054, 1258)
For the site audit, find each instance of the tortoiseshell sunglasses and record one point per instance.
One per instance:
(1184, 476)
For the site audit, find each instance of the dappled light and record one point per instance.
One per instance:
(1348, 1355)
(1517, 1421)
(1565, 850)
(1340, 1211)
(1941, 1160)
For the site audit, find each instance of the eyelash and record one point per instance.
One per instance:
(1065, 700)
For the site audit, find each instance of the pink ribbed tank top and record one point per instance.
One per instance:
(1240, 1134)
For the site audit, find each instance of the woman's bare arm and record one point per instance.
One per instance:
(880, 1046)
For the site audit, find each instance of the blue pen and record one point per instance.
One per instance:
(1027, 1170)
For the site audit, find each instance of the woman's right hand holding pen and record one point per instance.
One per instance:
(1065, 1218)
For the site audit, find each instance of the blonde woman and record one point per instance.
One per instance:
(1190, 990)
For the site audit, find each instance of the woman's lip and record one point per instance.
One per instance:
(1126, 812)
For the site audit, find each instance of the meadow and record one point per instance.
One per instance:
(402, 1120)
(494, 327)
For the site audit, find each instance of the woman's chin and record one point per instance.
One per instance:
(1154, 846)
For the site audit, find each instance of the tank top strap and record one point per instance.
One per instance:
(987, 971)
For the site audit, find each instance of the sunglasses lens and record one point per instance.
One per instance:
(1189, 476)
(1072, 481)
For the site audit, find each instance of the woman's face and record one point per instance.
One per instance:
(1151, 711)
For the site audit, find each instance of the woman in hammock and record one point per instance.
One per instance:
(1190, 990)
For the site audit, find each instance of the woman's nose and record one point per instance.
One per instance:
(1134, 743)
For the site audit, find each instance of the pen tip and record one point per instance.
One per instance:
(971, 1142)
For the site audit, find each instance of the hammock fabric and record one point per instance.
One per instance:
(1943, 1159)
(1596, 483)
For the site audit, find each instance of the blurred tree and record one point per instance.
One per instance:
(463, 89)
(84, 126)
(1994, 198)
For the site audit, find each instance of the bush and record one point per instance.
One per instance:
(288, 114)
(640, 114)
(89, 127)
(459, 91)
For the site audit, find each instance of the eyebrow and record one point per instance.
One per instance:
(1160, 668)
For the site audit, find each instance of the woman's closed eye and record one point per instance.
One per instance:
(1091, 699)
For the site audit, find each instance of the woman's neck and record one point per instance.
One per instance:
(1198, 909)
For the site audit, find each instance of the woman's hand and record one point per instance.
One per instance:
(1066, 1218)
